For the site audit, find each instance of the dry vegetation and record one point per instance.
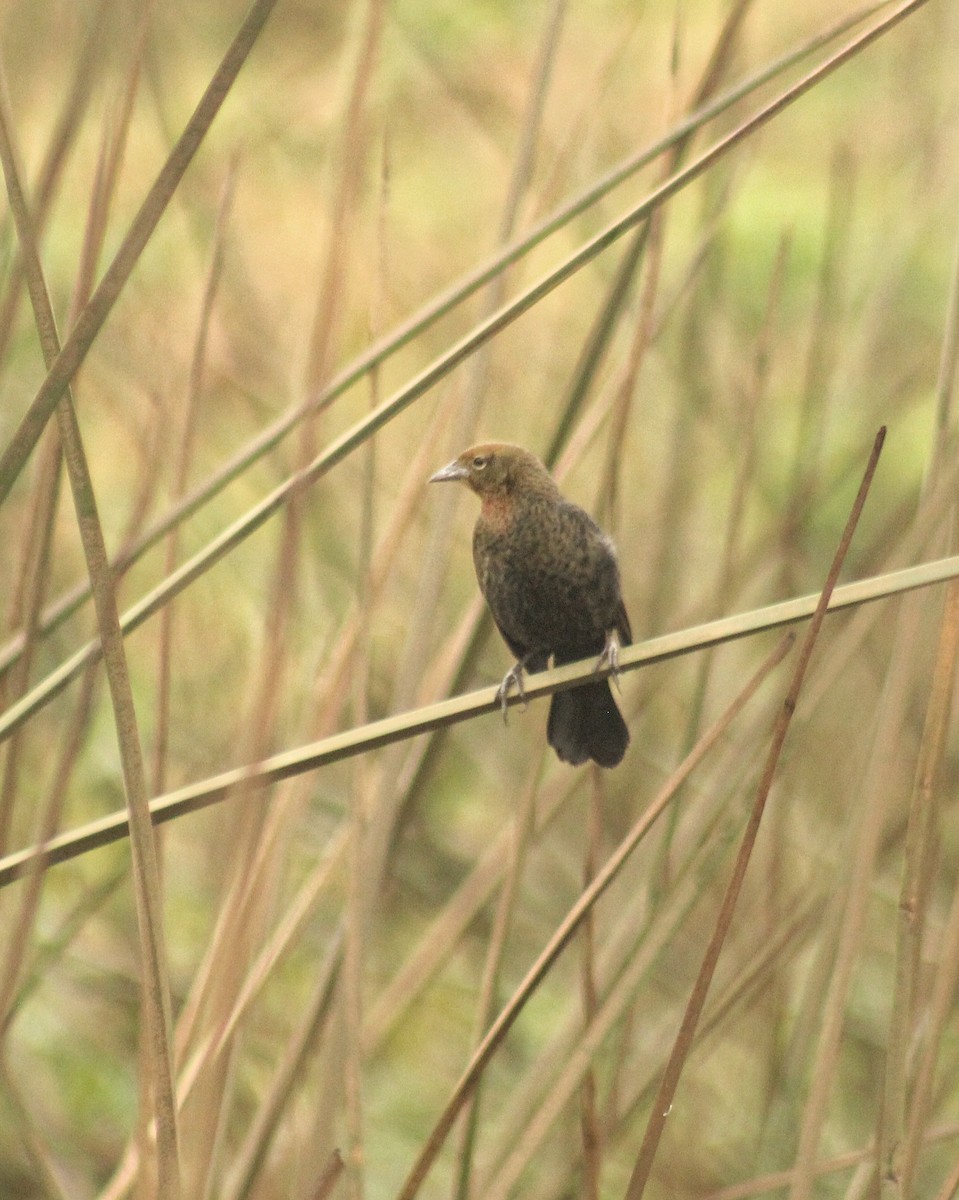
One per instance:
(263, 272)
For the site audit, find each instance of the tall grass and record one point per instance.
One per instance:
(286, 910)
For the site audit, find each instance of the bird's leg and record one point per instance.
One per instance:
(513, 675)
(610, 657)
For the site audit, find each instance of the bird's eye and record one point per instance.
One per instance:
(479, 462)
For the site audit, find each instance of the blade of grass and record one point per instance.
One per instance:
(441, 936)
(16, 947)
(649, 235)
(569, 926)
(329, 1179)
(775, 1181)
(47, 490)
(65, 760)
(39, 528)
(344, 1069)
(896, 1170)
(950, 1188)
(284, 809)
(663, 1102)
(285, 812)
(116, 134)
(75, 103)
(572, 1061)
(940, 1012)
(347, 1026)
(44, 1165)
(948, 969)
(899, 1131)
(33, 573)
(590, 1124)
(155, 979)
(946, 375)
(895, 700)
(502, 920)
(89, 323)
(187, 441)
(645, 926)
(226, 963)
(249, 1159)
(815, 1060)
(746, 426)
(821, 359)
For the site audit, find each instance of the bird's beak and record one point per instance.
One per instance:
(453, 470)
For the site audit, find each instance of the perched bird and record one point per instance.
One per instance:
(550, 578)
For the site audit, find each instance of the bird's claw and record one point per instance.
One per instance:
(610, 658)
(513, 675)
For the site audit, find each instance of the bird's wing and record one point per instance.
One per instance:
(523, 654)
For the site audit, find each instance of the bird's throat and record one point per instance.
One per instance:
(498, 512)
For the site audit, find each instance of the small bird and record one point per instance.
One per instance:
(550, 577)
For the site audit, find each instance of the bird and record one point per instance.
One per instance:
(551, 579)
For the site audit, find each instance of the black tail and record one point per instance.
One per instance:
(585, 723)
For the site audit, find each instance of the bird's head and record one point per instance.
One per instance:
(497, 469)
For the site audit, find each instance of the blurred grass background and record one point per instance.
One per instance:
(335, 945)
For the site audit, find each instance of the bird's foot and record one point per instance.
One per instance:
(513, 675)
(610, 658)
